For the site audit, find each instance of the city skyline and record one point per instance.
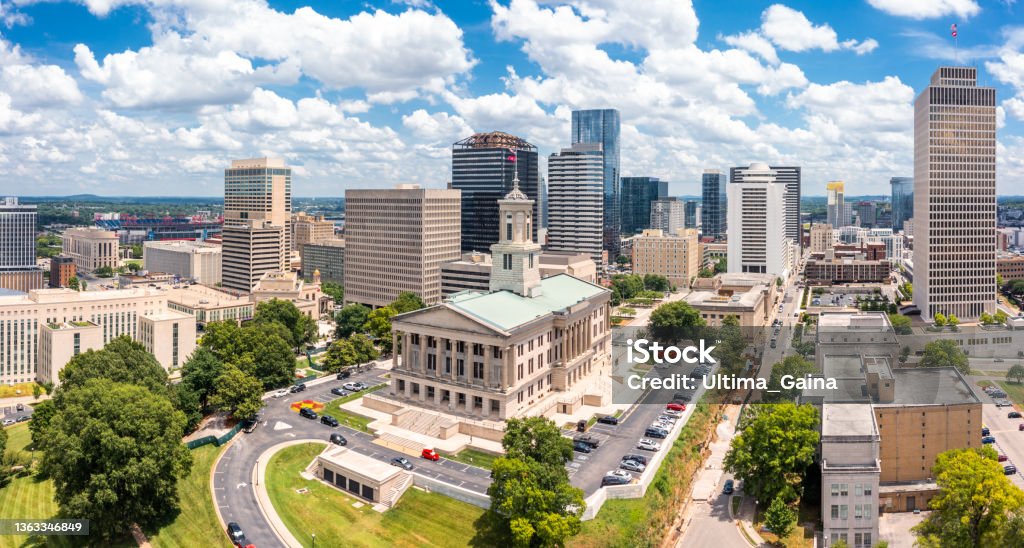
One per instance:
(79, 114)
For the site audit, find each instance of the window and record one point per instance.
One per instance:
(507, 261)
(867, 489)
(835, 489)
(857, 490)
(844, 489)
(835, 511)
(478, 370)
(844, 511)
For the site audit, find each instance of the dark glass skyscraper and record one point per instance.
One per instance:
(902, 200)
(602, 126)
(637, 195)
(482, 168)
(691, 214)
(713, 208)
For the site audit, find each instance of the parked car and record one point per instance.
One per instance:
(23, 418)
(308, 413)
(329, 421)
(295, 388)
(665, 417)
(280, 393)
(659, 433)
(632, 466)
(8, 422)
(581, 447)
(430, 454)
(19, 407)
(250, 425)
(1013, 415)
(617, 477)
(985, 431)
(638, 458)
(609, 419)
(401, 462)
(340, 392)
(588, 439)
(362, 385)
(1003, 403)
(1020, 426)
(672, 413)
(351, 387)
(236, 535)
(676, 407)
(1002, 458)
(344, 374)
(988, 439)
(646, 444)
(1010, 470)
(730, 486)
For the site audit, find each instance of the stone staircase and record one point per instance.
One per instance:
(423, 422)
(393, 494)
(398, 443)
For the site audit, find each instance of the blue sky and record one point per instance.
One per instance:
(157, 96)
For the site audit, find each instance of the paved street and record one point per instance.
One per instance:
(1009, 440)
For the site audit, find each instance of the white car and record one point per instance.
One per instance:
(672, 413)
(648, 444)
(8, 422)
(281, 393)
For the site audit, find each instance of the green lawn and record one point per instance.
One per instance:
(16, 390)
(347, 418)
(476, 457)
(419, 519)
(1014, 391)
(197, 524)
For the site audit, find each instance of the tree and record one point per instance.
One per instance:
(42, 412)
(37, 390)
(1000, 317)
(985, 318)
(301, 328)
(721, 266)
(334, 291)
(655, 282)
(531, 494)
(794, 366)
(186, 399)
(363, 348)
(121, 360)
(238, 393)
(779, 518)
(200, 373)
(904, 354)
(675, 321)
(115, 455)
(73, 283)
(900, 324)
(407, 301)
(774, 449)
(952, 320)
(940, 320)
(259, 349)
(350, 319)
(626, 286)
(339, 355)
(729, 351)
(622, 260)
(1016, 373)
(378, 325)
(945, 353)
(974, 503)
(137, 251)
(104, 272)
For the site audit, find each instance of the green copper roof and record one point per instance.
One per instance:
(506, 310)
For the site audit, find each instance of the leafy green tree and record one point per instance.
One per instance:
(793, 366)
(952, 320)
(200, 373)
(407, 301)
(339, 355)
(939, 319)
(974, 503)
(115, 455)
(301, 328)
(721, 266)
(42, 412)
(363, 348)
(675, 321)
(656, 282)
(531, 494)
(350, 319)
(73, 283)
(259, 349)
(729, 352)
(779, 518)
(900, 324)
(627, 285)
(186, 399)
(334, 291)
(37, 390)
(378, 325)
(104, 272)
(904, 354)
(121, 360)
(1000, 317)
(945, 353)
(238, 393)
(622, 260)
(706, 273)
(774, 449)
(1016, 373)
(985, 318)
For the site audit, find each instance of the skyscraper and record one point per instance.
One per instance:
(691, 214)
(602, 127)
(866, 214)
(257, 209)
(902, 200)
(757, 221)
(576, 176)
(482, 168)
(955, 195)
(668, 215)
(789, 177)
(637, 195)
(714, 204)
(18, 269)
(835, 208)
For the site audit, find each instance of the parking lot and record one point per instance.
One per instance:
(835, 298)
(12, 415)
(1009, 439)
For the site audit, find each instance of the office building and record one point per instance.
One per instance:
(748, 297)
(757, 222)
(676, 256)
(1010, 267)
(822, 237)
(542, 191)
(483, 166)
(473, 271)
(257, 210)
(18, 270)
(45, 328)
(326, 257)
(601, 126)
(714, 204)
(668, 215)
(195, 261)
(902, 200)
(309, 229)
(208, 304)
(955, 196)
(850, 471)
(637, 195)
(836, 212)
(576, 200)
(789, 178)
(62, 269)
(866, 214)
(288, 286)
(396, 240)
(91, 248)
(692, 215)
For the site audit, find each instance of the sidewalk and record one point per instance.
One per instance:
(746, 520)
(263, 498)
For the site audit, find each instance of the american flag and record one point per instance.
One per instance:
(952, 29)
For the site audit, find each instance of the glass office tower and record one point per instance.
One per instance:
(601, 126)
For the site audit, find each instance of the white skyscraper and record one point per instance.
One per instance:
(757, 223)
(955, 195)
(668, 215)
(576, 200)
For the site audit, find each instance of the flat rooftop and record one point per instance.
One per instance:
(374, 469)
(912, 385)
(847, 420)
(64, 295)
(932, 385)
(201, 296)
(746, 299)
(875, 320)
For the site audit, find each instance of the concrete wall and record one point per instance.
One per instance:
(448, 490)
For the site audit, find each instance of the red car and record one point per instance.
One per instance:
(430, 454)
(1020, 426)
(1001, 458)
(676, 406)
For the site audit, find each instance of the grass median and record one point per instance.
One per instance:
(348, 418)
(475, 457)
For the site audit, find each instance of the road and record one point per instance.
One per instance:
(1009, 440)
(11, 413)
(711, 527)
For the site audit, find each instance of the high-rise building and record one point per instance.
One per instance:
(757, 224)
(327, 258)
(18, 268)
(310, 229)
(196, 261)
(637, 195)
(835, 208)
(91, 248)
(542, 190)
(789, 177)
(866, 214)
(955, 195)
(676, 256)
(483, 166)
(576, 196)
(902, 200)
(601, 126)
(668, 215)
(713, 204)
(62, 269)
(396, 240)
(822, 237)
(691, 214)
(257, 210)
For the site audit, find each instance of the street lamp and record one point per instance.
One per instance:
(314, 539)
